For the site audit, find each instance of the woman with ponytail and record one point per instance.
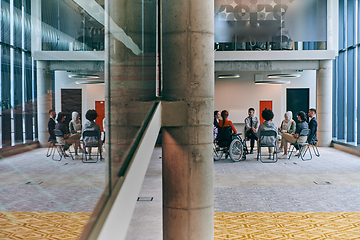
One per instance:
(224, 122)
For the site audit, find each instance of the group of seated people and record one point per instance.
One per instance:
(72, 133)
(288, 132)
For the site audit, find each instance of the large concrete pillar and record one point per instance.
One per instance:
(130, 68)
(324, 102)
(44, 100)
(188, 94)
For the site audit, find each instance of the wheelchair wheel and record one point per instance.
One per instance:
(218, 152)
(236, 150)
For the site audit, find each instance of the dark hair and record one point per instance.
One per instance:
(302, 115)
(91, 115)
(60, 116)
(267, 114)
(51, 110)
(224, 115)
(215, 113)
(251, 109)
(313, 110)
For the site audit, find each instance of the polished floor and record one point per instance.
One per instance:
(290, 199)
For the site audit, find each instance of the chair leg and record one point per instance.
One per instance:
(291, 151)
(303, 152)
(49, 150)
(60, 153)
(316, 150)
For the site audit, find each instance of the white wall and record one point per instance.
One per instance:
(90, 92)
(237, 95)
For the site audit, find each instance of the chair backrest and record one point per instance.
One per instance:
(224, 133)
(305, 132)
(90, 138)
(267, 138)
(58, 133)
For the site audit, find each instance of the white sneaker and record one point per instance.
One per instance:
(284, 156)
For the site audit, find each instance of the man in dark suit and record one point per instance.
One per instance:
(312, 125)
(51, 125)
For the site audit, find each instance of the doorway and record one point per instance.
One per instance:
(297, 99)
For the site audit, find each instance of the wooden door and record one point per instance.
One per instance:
(100, 109)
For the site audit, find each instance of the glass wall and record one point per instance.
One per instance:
(346, 90)
(245, 25)
(17, 80)
(31, 28)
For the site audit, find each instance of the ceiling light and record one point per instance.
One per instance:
(283, 75)
(229, 76)
(83, 76)
(278, 81)
(90, 82)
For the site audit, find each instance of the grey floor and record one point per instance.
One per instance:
(33, 182)
(325, 184)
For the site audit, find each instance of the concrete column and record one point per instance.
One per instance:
(188, 93)
(44, 100)
(130, 68)
(324, 102)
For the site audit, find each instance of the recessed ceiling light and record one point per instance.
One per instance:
(229, 76)
(83, 76)
(283, 75)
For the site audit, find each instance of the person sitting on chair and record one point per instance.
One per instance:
(66, 138)
(312, 125)
(216, 123)
(75, 127)
(225, 122)
(268, 115)
(291, 138)
(217, 117)
(288, 125)
(90, 125)
(223, 133)
(51, 125)
(251, 127)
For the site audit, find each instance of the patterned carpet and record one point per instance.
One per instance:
(245, 225)
(287, 225)
(42, 225)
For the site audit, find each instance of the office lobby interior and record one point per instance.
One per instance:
(155, 71)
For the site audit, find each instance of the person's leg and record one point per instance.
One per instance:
(287, 138)
(74, 139)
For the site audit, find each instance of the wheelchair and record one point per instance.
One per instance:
(230, 145)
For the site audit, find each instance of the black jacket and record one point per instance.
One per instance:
(313, 127)
(51, 127)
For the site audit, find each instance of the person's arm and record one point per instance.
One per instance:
(312, 127)
(257, 124)
(292, 127)
(71, 128)
(51, 127)
(247, 123)
(233, 128)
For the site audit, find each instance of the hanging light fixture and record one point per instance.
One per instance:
(283, 75)
(260, 79)
(90, 82)
(229, 76)
(83, 76)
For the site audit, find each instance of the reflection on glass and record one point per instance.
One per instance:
(270, 25)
